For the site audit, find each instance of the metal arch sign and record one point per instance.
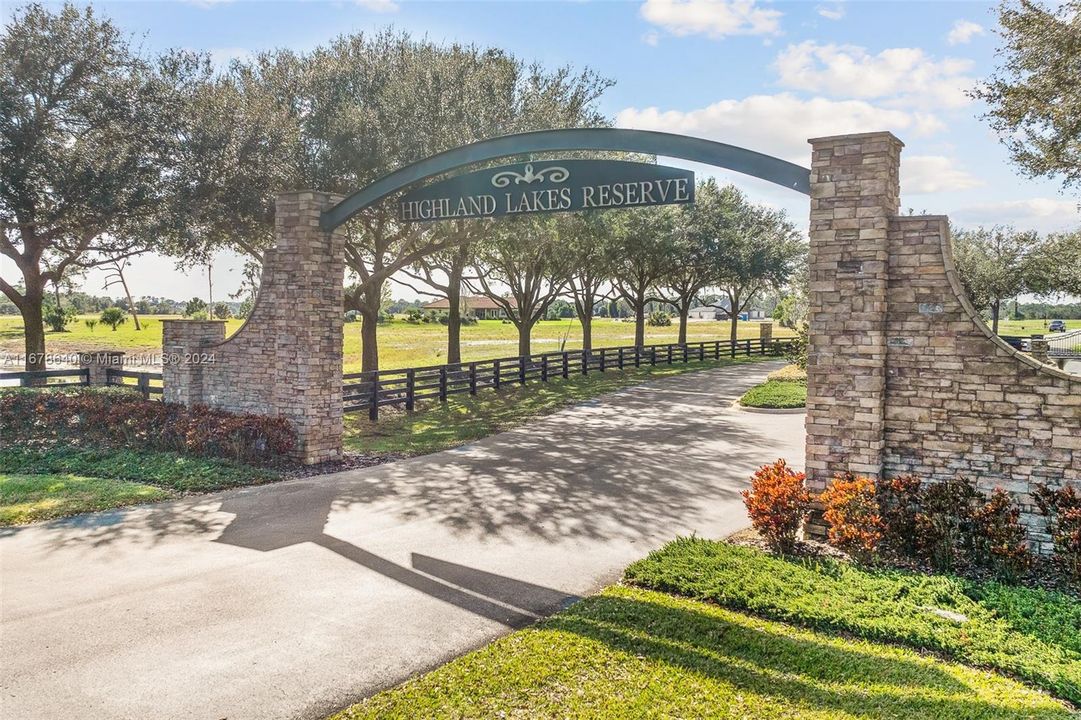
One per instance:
(546, 186)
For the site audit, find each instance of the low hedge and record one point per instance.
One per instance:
(118, 418)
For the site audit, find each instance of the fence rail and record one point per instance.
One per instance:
(147, 383)
(406, 387)
(24, 378)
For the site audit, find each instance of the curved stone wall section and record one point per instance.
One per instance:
(958, 399)
(903, 376)
(287, 358)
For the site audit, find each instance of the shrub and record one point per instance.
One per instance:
(659, 318)
(1062, 508)
(777, 504)
(193, 306)
(414, 316)
(57, 318)
(796, 350)
(898, 504)
(119, 418)
(469, 319)
(998, 541)
(945, 525)
(350, 316)
(90, 323)
(113, 317)
(221, 311)
(851, 509)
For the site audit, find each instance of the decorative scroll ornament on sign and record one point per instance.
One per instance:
(555, 174)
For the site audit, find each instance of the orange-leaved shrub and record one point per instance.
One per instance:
(998, 542)
(777, 504)
(852, 511)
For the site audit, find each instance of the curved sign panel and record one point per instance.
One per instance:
(545, 186)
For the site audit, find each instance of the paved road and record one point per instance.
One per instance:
(296, 599)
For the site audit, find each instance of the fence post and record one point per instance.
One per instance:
(669, 353)
(585, 361)
(732, 347)
(443, 384)
(472, 378)
(620, 361)
(373, 400)
(685, 353)
(144, 385)
(495, 374)
(410, 389)
(604, 354)
(566, 365)
(716, 349)
(521, 368)
(748, 344)
(544, 368)
(637, 356)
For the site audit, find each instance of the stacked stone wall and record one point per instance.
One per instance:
(903, 375)
(287, 357)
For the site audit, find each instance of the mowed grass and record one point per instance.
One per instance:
(1030, 327)
(636, 653)
(50, 483)
(465, 418)
(776, 394)
(30, 498)
(401, 344)
(1031, 634)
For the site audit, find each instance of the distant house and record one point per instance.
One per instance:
(483, 307)
(719, 311)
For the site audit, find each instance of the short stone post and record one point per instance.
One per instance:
(765, 333)
(1039, 348)
(854, 193)
(99, 362)
(184, 344)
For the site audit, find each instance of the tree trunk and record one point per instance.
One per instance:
(33, 323)
(994, 315)
(640, 322)
(524, 331)
(684, 313)
(733, 313)
(587, 330)
(369, 340)
(454, 317)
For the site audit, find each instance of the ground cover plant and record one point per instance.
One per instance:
(464, 418)
(401, 344)
(1026, 632)
(776, 395)
(635, 653)
(42, 484)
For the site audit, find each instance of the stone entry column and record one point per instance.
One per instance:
(99, 362)
(855, 190)
(287, 358)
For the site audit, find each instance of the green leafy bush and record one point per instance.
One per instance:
(57, 318)
(113, 317)
(1062, 508)
(659, 318)
(117, 417)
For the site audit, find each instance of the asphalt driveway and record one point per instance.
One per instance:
(296, 599)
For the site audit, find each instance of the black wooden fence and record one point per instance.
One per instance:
(405, 387)
(147, 383)
(24, 378)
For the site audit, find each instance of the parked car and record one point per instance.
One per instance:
(1057, 326)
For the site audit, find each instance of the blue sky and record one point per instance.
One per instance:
(763, 75)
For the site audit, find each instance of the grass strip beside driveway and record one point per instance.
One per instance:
(635, 653)
(1033, 634)
(30, 498)
(465, 418)
(776, 395)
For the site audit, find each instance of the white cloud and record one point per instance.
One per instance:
(1041, 214)
(832, 11)
(781, 124)
(963, 31)
(379, 6)
(908, 77)
(934, 174)
(713, 18)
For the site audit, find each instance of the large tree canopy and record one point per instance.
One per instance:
(1034, 95)
(88, 137)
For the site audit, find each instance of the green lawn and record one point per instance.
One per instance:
(44, 484)
(776, 394)
(1029, 327)
(633, 653)
(1032, 634)
(30, 498)
(465, 418)
(401, 344)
